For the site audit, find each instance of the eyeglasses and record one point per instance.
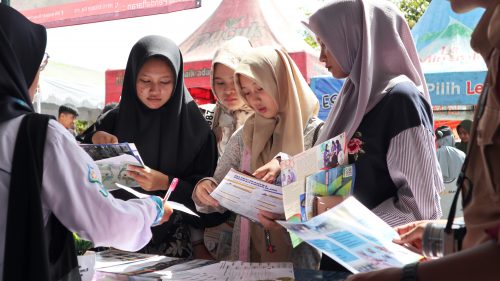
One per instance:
(45, 61)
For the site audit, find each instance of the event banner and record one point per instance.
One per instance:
(326, 89)
(445, 89)
(57, 13)
(455, 88)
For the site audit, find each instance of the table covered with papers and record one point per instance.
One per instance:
(118, 265)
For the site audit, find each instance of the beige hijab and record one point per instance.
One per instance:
(280, 77)
(227, 121)
(371, 41)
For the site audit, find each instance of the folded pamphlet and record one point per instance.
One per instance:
(247, 195)
(353, 236)
(113, 160)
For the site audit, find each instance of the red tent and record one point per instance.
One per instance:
(261, 21)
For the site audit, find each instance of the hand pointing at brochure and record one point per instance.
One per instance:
(269, 172)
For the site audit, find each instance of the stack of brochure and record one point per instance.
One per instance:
(113, 265)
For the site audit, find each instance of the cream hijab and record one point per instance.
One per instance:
(227, 121)
(371, 41)
(280, 77)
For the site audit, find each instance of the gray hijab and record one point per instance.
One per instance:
(372, 42)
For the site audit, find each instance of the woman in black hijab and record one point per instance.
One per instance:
(157, 113)
(46, 179)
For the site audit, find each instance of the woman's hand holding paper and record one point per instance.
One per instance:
(147, 178)
(269, 172)
(267, 219)
(101, 137)
(202, 192)
(167, 212)
(411, 235)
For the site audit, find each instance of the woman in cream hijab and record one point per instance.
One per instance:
(230, 111)
(285, 120)
(384, 108)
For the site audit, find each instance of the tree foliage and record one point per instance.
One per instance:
(413, 10)
(81, 126)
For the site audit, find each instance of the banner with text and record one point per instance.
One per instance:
(455, 88)
(57, 13)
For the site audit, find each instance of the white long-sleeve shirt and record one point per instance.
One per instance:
(412, 167)
(72, 192)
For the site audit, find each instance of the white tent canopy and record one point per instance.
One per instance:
(65, 84)
(59, 92)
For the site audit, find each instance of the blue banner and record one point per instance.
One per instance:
(445, 89)
(454, 72)
(455, 88)
(326, 89)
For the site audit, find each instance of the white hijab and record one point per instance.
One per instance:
(226, 121)
(371, 41)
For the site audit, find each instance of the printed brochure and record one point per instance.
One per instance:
(353, 236)
(246, 195)
(295, 169)
(112, 160)
(333, 182)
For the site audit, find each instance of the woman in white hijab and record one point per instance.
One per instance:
(230, 111)
(384, 108)
(225, 117)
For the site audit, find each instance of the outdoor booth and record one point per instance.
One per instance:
(264, 23)
(453, 71)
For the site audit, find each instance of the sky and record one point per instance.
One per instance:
(106, 45)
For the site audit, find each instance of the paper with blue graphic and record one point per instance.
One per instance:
(353, 236)
(338, 181)
(113, 160)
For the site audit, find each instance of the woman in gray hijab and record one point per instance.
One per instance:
(384, 108)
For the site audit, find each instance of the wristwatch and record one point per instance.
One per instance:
(410, 272)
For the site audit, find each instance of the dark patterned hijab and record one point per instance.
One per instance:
(168, 138)
(22, 46)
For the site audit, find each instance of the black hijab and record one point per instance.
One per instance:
(168, 138)
(22, 46)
